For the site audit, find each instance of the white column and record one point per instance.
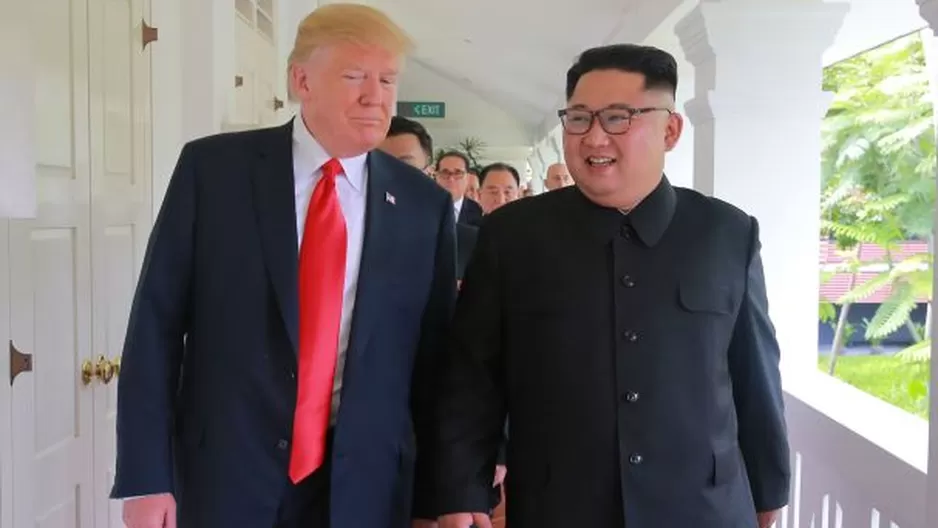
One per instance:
(929, 11)
(757, 113)
(556, 141)
(207, 65)
(543, 158)
(537, 168)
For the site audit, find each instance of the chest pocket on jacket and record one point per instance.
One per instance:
(697, 296)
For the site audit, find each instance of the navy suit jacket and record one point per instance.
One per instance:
(208, 382)
(471, 213)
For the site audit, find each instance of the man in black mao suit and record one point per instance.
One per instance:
(636, 360)
(209, 410)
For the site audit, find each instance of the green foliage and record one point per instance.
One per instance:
(916, 353)
(890, 379)
(892, 314)
(472, 147)
(878, 175)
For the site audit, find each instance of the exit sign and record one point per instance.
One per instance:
(417, 109)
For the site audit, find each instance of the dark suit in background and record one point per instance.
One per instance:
(466, 236)
(636, 359)
(470, 213)
(208, 383)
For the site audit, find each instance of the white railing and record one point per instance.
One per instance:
(866, 468)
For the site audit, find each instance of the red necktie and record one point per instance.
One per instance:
(321, 281)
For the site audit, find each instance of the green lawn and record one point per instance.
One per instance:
(899, 383)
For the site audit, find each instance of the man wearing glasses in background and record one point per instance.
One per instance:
(409, 141)
(643, 387)
(452, 170)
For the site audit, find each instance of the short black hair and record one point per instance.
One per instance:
(454, 154)
(658, 66)
(401, 126)
(499, 166)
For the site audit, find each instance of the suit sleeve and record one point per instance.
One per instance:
(754, 369)
(153, 346)
(472, 409)
(434, 334)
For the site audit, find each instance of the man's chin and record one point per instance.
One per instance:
(600, 191)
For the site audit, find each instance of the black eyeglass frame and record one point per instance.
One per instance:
(595, 115)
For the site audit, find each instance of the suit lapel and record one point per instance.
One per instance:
(275, 207)
(381, 221)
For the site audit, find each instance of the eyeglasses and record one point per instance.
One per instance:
(614, 120)
(447, 174)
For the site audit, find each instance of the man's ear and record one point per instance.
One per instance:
(673, 131)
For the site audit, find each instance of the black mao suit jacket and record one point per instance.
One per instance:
(637, 362)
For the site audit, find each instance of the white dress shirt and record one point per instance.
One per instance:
(308, 159)
(457, 206)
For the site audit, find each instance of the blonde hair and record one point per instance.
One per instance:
(345, 22)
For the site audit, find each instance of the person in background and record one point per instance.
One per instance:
(472, 187)
(296, 291)
(558, 177)
(501, 184)
(642, 391)
(452, 170)
(408, 141)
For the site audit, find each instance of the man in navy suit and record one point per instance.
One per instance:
(453, 173)
(221, 420)
(409, 141)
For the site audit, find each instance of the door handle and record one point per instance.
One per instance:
(101, 369)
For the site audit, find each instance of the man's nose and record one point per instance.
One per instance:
(596, 136)
(371, 91)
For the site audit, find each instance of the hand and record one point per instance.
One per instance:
(424, 523)
(767, 519)
(465, 520)
(500, 473)
(152, 511)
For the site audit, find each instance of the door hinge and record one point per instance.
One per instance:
(148, 34)
(19, 362)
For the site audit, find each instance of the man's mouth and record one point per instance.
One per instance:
(600, 161)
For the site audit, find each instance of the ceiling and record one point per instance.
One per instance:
(505, 60)
(499, 65)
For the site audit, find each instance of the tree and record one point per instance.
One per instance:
(472, 147)
(878, 177)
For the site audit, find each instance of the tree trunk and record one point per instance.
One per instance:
(839, 336)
